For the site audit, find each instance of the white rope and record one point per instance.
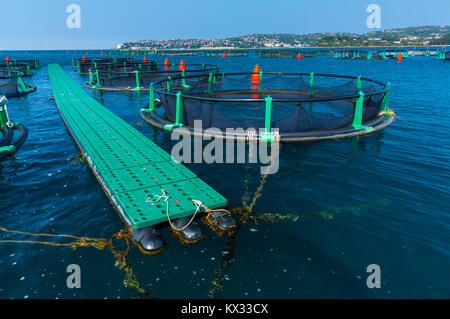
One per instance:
(198, 204)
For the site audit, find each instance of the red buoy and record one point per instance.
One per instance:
(83, 59)
(299, 56)
(399, 57)
(145, 59)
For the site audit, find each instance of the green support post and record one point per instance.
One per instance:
(4, 119)
(169, 84)
(183, 80)
(22, 84)
(79, 67)
(178, 114)
(98, 78)
(28, 69)
(385, 98)
(267, 135)
(151, 102)
(138, 87)
(311, 80)
(179, 110)
(91, 78)
(357, 119)
(359, 83)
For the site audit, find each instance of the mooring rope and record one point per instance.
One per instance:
(122, 263)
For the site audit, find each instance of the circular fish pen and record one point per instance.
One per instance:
(370, 55)
(13, 85)
(24, 69)
(9, 142)
(83, 65)
(286, 54)
(138, 77)
(288, 107)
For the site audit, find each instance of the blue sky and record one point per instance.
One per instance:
(41, 24)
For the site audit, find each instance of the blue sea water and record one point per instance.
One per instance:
(379, 199)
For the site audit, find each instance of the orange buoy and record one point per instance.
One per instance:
(182, 66)
(87, 53)
(399, 57)
(7, 59)
(224, 55)
(132, 53)
(102, 53)
(145, 59)
(166, 64)
(174, 54)
(83, 59)
(299, 56)
(256, 81)
(255, 76)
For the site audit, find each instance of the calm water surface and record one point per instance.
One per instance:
(380, 199)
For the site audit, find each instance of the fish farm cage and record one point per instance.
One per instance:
(286, 54)
(444, 55)
(9, 142)
(135, 79)
(287, 107)
(225, 53)
(83, 65)
(13, 85)
(33, 63)
(369, 55)
(24, 69)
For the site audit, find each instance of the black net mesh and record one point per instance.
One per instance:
(84, 65)
(233, 101)
(23, 68)
(142, 74)
(34, 64)
(8, 82)
(286, 54)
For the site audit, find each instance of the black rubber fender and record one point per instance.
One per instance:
(17, 143)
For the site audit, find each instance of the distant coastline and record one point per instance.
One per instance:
(405, 37)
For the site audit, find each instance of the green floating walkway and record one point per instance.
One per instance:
(128, 165)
